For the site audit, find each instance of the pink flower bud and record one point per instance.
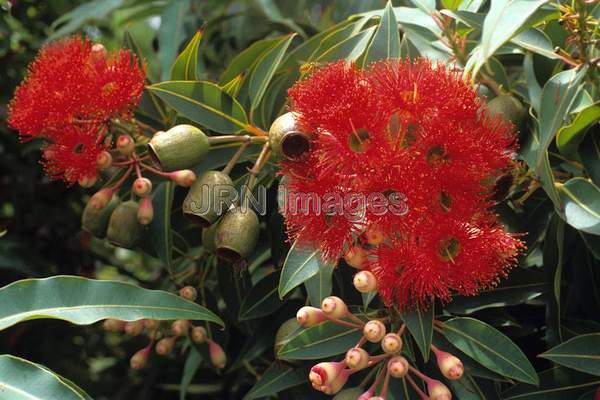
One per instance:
(125, 145)
(357, 358)
(87, 181)
(188, 293)
(324, 373)
(356, 257)
(140, 358)
(184, 177)
(374, 236)
(376, 398)
(391, 343)
(165, 346)
(142, 187)
(365, 282)
(145, 212)
(374, 331)
(398, 366)
(334, 307)
(104, 160)
(366, 395)
(114, 325)
(450, 366)
(217, 355)
(438, 391)
(337, 384)
(134, 328)
(101, 198)
(180, 327)
(199, 334)
(309, 316)
(98, 52)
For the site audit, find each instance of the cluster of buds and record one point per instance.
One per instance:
(330, 377)
(164, 337)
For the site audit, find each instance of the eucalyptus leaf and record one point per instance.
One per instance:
(420, 326)
(582, 204)
(276, 378)
(301, 264)
(581, 353)
(186, 65)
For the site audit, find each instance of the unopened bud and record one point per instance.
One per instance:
(356, 358)
(450, 366)
(140, 358)
(391, 343)
(376, 398)
(324, 373)
(365, 282)
(374, 331)
(337, 384)
(398, 366)
(438, 391)
(145, 213)
(218, 358)
(180, 327)
(199, 334)
(356, 257)
(366, 395)
(101, 198)
(104, 160)
(87, 181)
(134, 328)
(114, 325)
(98, 52)
(151, 325)
(165, 346)
(184, 177)
(334, 307)
(125, 145)
(188, 293)
(309, 316)
(142, 187)
(374, 236)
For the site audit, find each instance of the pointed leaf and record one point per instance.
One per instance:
(262, 299)
(161, 235)
(386, 42)
(581, 353)
(589, 152)
(555, 384)
(570, 136)
(319, 286)
(420, 325)
(170, 33)
(246, 59)
(185, 67)
(582, 204)
(192, 363)
(276, 378)
(301, 264)
(349, 49)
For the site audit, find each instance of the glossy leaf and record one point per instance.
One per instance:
(192, 363)
(420, 326)
(161, 234)
(246, 59)
(582, 204)
(84, 301)
(185, 67)
(589, 151)
(581, 353)
(262, 299)
(555, 384)
(74, 19)
(386, 42)
(489, 347)
(170, 33)
(204, 103)
(570, 136)
(319, 286)
(301, 264)
(276, 378)
(349, 49)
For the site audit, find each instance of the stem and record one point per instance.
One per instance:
(122, 179)
(378, 358)
(386, 384)
(260, 161)
(155, 171)
(237, 155)
(342, 323)
(419, 373)
(416, 387)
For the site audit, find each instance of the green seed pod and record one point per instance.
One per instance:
(96, 221)
(208, 238)
(237, 234)
(208, 198)
(181, 147)
(510, 108)
(287, 139)
(124, 230)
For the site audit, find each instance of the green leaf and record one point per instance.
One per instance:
(262, 299)
(420, 325)
(386, 42)
(570, 136)
(582, 204)
(84, 301)
(161, 235)
(192, 363)
(581, 353)
(276, 378)
(452, 4)
(319, 286)
(589, 153)
(535, 41)
(555, 384)
(246, 59)
(349, 49)
(301, 264)
(170, 33)
(533, 86)
(74, 19)
(490, 348)
(265, 68)
(24, 380)
(204, 103)
(232, 87)
(321, 341)
(185, 67)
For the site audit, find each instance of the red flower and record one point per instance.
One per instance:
(413, 132)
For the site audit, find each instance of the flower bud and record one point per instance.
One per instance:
(104, 160)
(365, 282)
(366, 395)
(357, 358)
(183, 178)
(180, 327)
(376, 398)
(145, 213)
(356, 257)
(199, 334)
(324, 373)
(140, 358)
(209, 197)
(374, 331)
(165, 346)
(98, 52)
(438, 391)
(134, 328)
(101, 198)
(96, 220)
(334, 307)
(398, 366)
(309, 316)
(142, 187)
(125, 145)
(208, 238)
(188, 293)
(374, 236)
(391, 343)
(337, 384)
(151, 324)
(450, 366)
(87, 181)
(113, 325)
(181, 147)
(124, 230)
(287, 139)
(218, 358)
(237, 234)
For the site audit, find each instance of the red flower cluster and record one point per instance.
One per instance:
(72, 90)
(414, 130)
